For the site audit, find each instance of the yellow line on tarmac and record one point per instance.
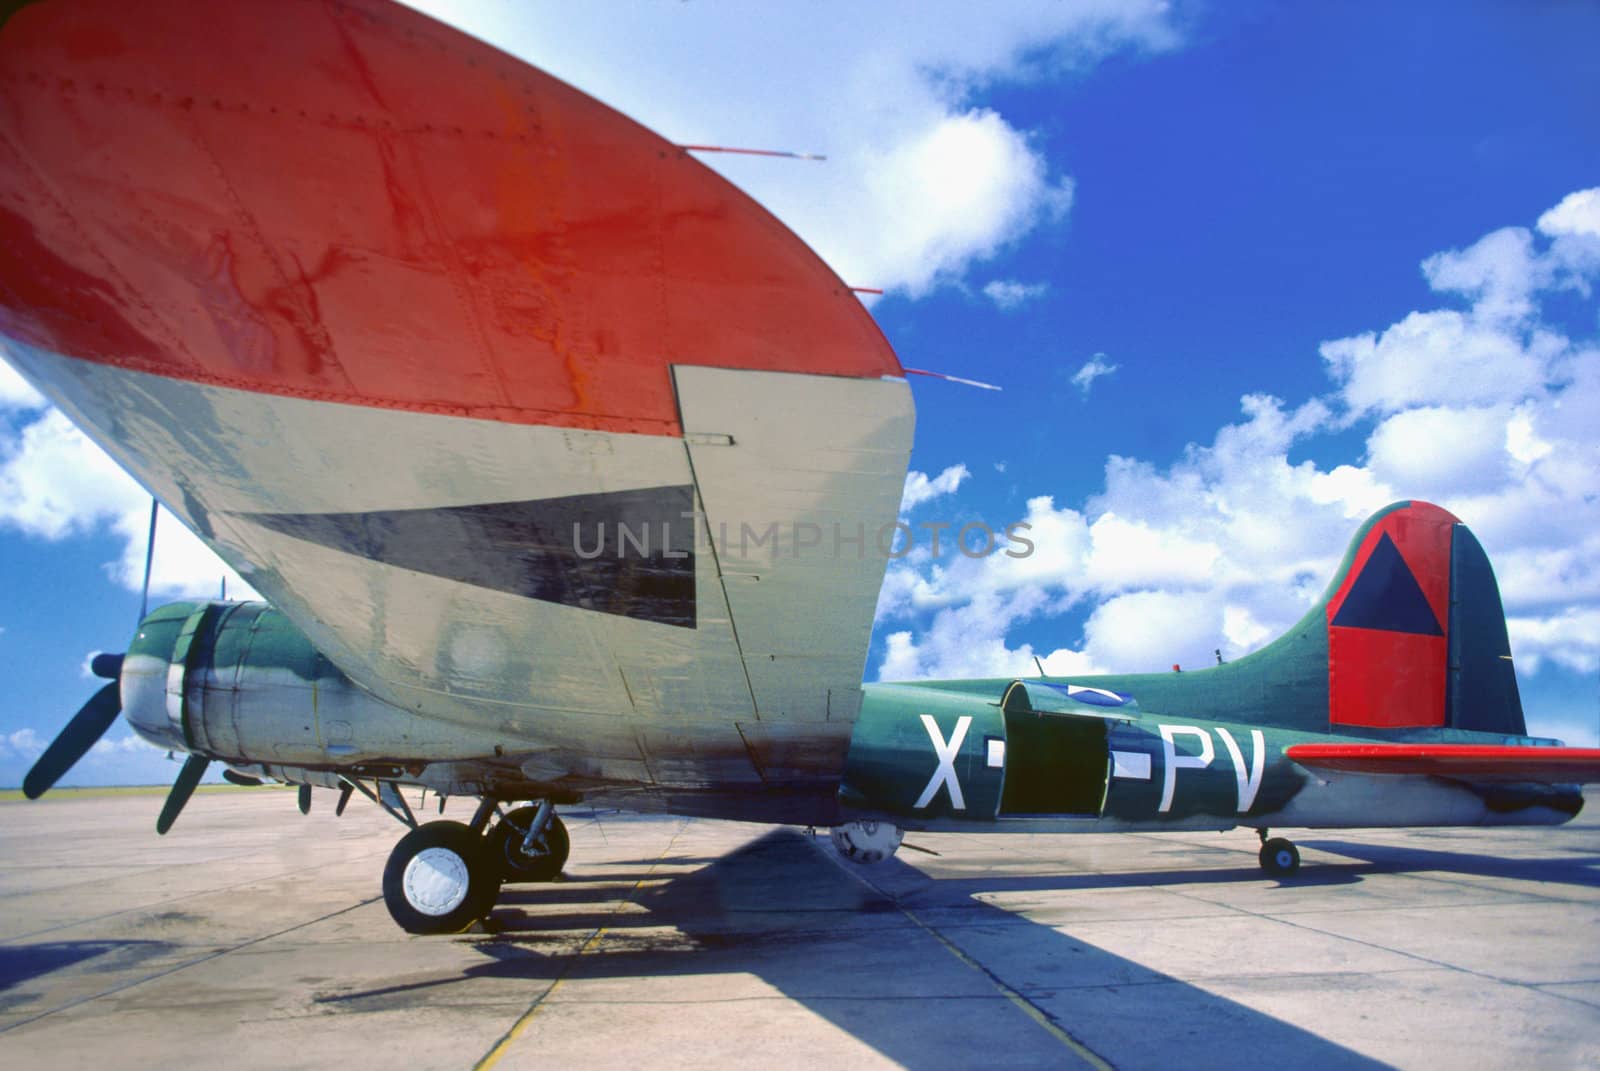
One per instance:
(1023, 1004)
(1026, 1006)
(520, 1027)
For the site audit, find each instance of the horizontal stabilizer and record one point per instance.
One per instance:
(1465, 762)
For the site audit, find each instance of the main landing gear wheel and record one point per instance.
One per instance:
(1279, 857)
(516, 865)
(439, 879)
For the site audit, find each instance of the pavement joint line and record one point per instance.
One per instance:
(1439, 964)
(1431, 909)
(175, 968)
(1427, 877)
(518, 1028)
(172, 899)
(1291, 912)
(1199, 981)
(1015, 997)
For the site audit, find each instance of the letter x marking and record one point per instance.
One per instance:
(946, 773)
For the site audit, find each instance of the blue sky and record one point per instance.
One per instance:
(1369, 219)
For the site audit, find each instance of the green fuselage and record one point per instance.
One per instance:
(988, 755)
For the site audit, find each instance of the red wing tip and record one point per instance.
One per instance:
(1313, 752)
(1462, 762)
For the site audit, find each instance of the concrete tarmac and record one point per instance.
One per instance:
(254, 937)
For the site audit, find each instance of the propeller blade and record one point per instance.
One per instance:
(87, 726)
(194, 768)
(237, 778)
(149, 560)
(305, 799)
(106, 666)
(344, 798)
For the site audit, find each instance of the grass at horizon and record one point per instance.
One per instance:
(11, 795)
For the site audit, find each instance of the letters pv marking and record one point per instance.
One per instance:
(1171, 760)
(945, 774)
(1251, 784)
(1248, 781)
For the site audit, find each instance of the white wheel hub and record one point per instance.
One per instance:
(436, 881)
(866, 842)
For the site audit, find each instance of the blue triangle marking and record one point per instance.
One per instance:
(1387, 597)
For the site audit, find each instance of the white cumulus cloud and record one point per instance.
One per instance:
(1439, 357)
(1009, 294)
(1498, 272)
(16, 392)
(127, 744)
(1092, 369)
(1569, 638)
(1483, 405)
(1577, 214)
(22, 744)
(57, 484)
(1434, 452)
(919, 184)
(920, 488)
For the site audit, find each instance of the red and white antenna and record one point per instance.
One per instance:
(949, 378)
(753, 152)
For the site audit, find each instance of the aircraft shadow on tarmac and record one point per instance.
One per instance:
(1583, 870)
(853, 949)
(21, 963)
(847, 950)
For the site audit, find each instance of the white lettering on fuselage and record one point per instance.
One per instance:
(946, 773)
(1248, 781)
(1171, 760)
(1249, 784)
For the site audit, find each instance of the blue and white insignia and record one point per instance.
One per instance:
(1099, 697)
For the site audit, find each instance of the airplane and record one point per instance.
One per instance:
(561, 463)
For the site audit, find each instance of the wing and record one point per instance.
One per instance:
(523, 415)
(1463, 762)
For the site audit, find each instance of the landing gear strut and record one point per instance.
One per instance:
(1279, 857)
(530, 844)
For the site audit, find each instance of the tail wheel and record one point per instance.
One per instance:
(516, 865)
(439, 879)
(1279, 857)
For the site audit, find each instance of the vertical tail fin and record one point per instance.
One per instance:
(1416, 634)
(1410, 634)
(1481, 690)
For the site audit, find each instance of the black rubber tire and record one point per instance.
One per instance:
(1279, 857)
(516, 867)
(483, 879)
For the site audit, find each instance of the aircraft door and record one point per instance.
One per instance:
(1056, 763)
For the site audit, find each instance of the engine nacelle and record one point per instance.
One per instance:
(237, 680)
